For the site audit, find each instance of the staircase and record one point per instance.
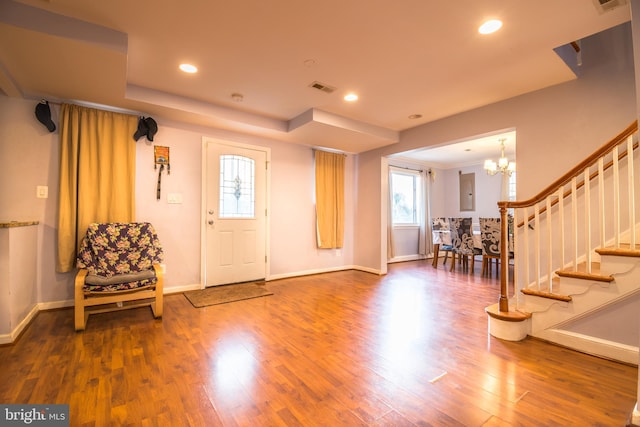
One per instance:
(576, 265)
(581, 298)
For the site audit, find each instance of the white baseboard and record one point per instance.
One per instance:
(55, 304)
(323, 270)
(367, 270)
(405, 258)
(180, 289)
(15, 333)
(591, 345)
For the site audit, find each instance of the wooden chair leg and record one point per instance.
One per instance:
(436, 252)
(78, 309)
(159, 302)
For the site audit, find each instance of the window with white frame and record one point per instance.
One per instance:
(405, 196)
(512, 186)
(511, 191)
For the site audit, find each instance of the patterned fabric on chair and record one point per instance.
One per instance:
(441, 239)
(462, 242)
(490, 235)
(118, 262)
(490, 232)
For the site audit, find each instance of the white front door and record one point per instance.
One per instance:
(235, 213)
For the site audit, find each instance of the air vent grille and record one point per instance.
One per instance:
(606, 5)
(322, 87)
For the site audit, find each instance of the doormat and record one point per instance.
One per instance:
(227, 293)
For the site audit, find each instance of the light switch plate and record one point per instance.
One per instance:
(174, 198)
(42, 191)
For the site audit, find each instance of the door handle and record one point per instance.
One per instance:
(210, 222)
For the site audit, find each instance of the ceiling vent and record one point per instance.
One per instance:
(322, 87)
(603, 6)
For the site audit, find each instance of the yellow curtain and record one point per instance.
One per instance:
(329, 199)
(97, 174)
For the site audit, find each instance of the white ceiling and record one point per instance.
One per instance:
(470, 152)
(403, 58)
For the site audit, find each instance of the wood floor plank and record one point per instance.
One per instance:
(342, 349)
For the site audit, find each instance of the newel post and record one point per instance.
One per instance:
(504, 257)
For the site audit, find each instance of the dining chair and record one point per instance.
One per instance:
(462, 243)
(441, 239)
(490, 232)
(490, 235)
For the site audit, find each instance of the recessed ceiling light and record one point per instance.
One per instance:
(188, 68)
(490, 26)
(351, 97)
(415, 116)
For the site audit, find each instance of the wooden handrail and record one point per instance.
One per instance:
(503, 205)
(580, 184)
(553, 187)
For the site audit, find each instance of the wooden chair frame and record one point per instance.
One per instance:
(84, 301)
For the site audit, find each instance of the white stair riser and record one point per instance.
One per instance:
(618, 265)
(588, 296)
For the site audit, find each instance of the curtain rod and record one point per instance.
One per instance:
(92, 105)
(410, 169)
(329, 150)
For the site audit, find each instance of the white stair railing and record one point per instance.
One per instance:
(559, 229)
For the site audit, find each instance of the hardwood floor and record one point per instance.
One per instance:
(342, 349)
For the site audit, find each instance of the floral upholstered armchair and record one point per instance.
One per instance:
(118, 263)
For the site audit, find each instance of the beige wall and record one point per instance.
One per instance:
(556, 127)
(30, 158)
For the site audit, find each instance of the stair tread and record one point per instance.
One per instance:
(546, 294)
(625, 249)
(581, 273)
(584, 275)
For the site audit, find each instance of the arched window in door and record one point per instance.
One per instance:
(237, 187)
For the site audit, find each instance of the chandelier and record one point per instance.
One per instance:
(503, 165)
